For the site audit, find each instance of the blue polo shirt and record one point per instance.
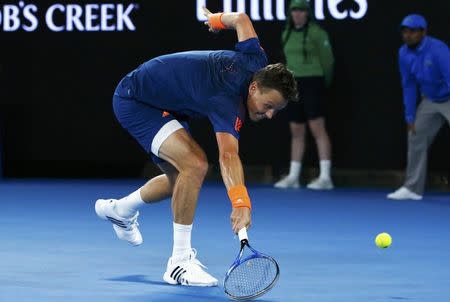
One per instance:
(428, 68)
(210, 84)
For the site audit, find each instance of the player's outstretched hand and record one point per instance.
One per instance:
(240, 218)
(207, 13)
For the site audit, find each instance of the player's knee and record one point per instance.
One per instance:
(172, 179)
(198, 165)
(201, 166)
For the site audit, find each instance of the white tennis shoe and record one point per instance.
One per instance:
(287, 182)
(126, 228)
(404, 194)
(188, 271)
(321, 184)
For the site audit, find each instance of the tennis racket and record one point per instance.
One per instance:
(250, 276)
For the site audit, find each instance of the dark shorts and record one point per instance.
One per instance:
(311, 102)
(149, 126)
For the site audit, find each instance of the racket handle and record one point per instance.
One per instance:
(243, 234)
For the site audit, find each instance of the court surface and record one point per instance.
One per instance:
(54, 248)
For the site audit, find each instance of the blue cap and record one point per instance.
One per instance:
(414, 21)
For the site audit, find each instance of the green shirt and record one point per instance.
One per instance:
(319, 60)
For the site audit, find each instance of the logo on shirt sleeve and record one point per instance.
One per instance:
(238, 124)
(165, 113)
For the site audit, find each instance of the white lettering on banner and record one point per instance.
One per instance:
(91, 16)
(124, 18)
(268, 10)
(199, 10)
(319, 12)
(363, 7)
(73, 17)
(49, 17)
(106, 16)
(227, 6)
(333, 7)
(61, 17)
(241, 6)
(280, 9)
(28, 14)
(11, 21)
(254, 13)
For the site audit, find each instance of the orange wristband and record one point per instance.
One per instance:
(215, 21)
(239, 197)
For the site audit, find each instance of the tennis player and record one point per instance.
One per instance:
(153, 103)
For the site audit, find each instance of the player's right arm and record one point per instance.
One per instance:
(237, 21)
(233, 178)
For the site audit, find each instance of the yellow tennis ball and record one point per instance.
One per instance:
(383, 240)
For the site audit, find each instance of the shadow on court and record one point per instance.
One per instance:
(189, 297)
(138, 279)
(184, 293)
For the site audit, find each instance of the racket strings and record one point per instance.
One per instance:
(251, 277)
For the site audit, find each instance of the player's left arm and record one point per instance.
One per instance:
(237, 21)
(233, 178)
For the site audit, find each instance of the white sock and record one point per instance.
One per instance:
(325, 167)
(128, 205)
(181, 239)
(294, 169)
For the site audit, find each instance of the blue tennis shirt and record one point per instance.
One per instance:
(211, 84)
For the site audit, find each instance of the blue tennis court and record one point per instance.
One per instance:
(54, 248)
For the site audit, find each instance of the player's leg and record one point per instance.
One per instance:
(160, 187)
(188, 158)
(156, 189)
(123, 212)
(181, 232)
(144, 123)
(180, 150)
